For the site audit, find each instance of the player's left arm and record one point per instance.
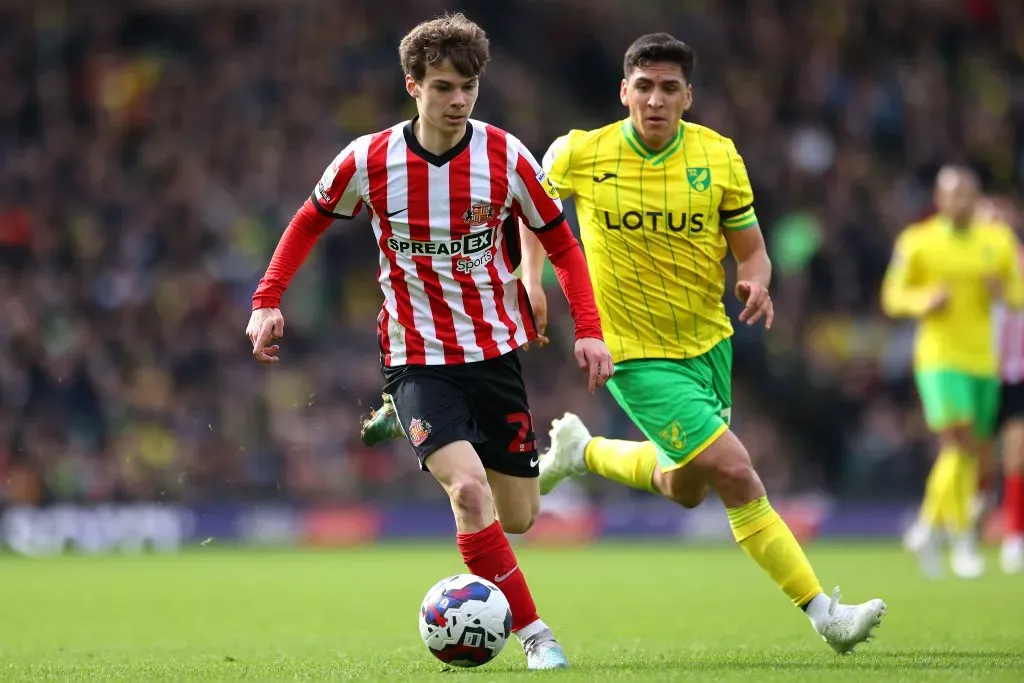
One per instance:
(538, 205)
(743, 234)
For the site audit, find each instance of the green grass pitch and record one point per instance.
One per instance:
(623, 612)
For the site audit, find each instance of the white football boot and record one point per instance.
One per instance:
(844, 627)
(965, 559)
(1011, 557)
(565, 458)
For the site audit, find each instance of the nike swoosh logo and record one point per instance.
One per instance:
(605, 176)
(498, 578)
(395, 213)
(533, 462)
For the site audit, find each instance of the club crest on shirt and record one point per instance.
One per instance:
(419, 430)
(480, 213)
(699, 177)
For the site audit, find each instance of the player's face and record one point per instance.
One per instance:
(444, 98)
(657, 95)
(955, 195)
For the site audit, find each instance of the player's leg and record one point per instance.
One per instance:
(983, 414)
(947, 401)
(723, 461)
(508, 452)
(1012, 412)
(683, 408)
(435, 412)
(574, 451)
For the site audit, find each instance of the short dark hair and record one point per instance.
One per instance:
(452, 37)
(659, 47)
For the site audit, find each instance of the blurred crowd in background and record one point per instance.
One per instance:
(151, 153)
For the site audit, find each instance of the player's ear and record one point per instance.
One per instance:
(411, 86)
(688, 97)
(623, 96)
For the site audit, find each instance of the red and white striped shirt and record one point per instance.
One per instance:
(1011, 343)
(448, 236)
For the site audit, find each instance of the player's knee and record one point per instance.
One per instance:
(691, 497)
(471, 497)
(520, 520)
(957, 437)
(736, 482)
(681, 487)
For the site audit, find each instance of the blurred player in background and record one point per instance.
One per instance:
(1011, 408)
(948, 271)
(445, 194)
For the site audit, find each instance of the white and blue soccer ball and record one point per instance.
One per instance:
(465, 620)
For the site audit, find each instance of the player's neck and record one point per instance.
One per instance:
(434, 140)
(653, 143)
(959, 224)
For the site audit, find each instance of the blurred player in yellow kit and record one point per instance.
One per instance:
(948, 271)
(660, 203)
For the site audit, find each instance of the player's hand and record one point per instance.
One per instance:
(265, 324)
(539, 304)
(938, 301)
(758, 303)
(594, 359)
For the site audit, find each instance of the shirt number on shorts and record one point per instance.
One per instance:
(519, 443)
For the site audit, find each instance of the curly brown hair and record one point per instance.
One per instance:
(453, 37)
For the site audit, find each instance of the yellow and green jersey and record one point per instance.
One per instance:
(652, 224)
(932, 255)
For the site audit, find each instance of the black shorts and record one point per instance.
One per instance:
(1011, 402)
(483, 403)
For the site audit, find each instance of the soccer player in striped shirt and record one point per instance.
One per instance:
(660, 203)
(948, 271)
(1011, 404)
(445, 194)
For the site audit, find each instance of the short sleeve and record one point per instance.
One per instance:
(338, 193)
(737, 206)
(536, 197)
(557, 164)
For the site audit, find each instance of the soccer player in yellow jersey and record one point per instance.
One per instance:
(660, 202)
(948, 271)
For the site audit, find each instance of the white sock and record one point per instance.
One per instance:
(817, 610)
(530, 630)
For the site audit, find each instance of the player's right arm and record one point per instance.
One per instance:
(336, 196)
(903, 296)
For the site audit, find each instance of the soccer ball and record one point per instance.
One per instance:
(465, 620)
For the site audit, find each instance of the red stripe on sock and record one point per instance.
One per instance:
(488, 554)
(1013, 503)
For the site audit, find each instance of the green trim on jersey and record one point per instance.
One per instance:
(656, 157)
